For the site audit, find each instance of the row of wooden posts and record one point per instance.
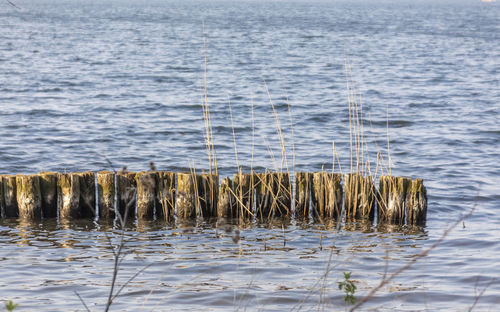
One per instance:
(161, 195)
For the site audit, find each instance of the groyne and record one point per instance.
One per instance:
(188, 195)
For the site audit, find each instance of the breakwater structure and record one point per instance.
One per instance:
(167, 195)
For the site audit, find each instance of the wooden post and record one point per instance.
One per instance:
(10, 196)
(226, 205)
(29, 199)
(416, 203)
(185, 198)
(165, 208)
(146, 193)
(326, 195)
(359, 197)
(208, 193)
(106, 194)
(87, 195)
(391, 199)
(263, 195)
(302, 194)
(318, 195)
(68, 193)
(244, 191)
(282, 199)
(126, 194)
(48, 190)
(2, 201)
(334, 192)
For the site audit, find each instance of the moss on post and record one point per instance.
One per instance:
(416, 203)
(106, 194)
(244, 190)
(87, 194)
(302, 194)
(359, 197)
(29, 199)
(226, 204)
(126, 194)
(146, 194)
(186, 198)
(391, 199)
(208, 193)
(10, 196)
(68, 193)
(48, 190)
(165, 208)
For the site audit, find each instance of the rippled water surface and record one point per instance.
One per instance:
(82, 83)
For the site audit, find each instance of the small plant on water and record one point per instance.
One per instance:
(349, 288)
(10, 305)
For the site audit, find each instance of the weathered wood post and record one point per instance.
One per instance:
(146, 193)
(334, 192)
(126, 194)
(416, 203)
(318, 195)
(282, 194)
(326, 195)
(87, 194)
(106, 194)
(226, 204)
(208, 193)
(10, 196)
(359, 196)
(2, 201)
(263, 195)
(165, 208)
(48, 190)
(392, 198)
(186, 198)
(68, 193)
(302, 194)
(29, 198)
(244, 190)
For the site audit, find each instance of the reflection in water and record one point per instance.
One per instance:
(216, 256)
(362, 225)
